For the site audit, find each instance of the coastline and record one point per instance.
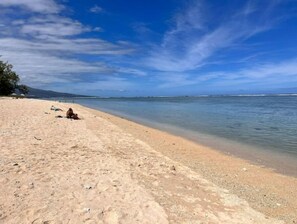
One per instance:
(234, 173)
(250, 128)
(142, 158)
(280, 162)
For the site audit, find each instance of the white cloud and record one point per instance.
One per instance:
(279, 70)
(56, 57)
(53, 26)
(269, 74)
(97, 29)
(64, 46)
(47, 48)
(191, 42)
(39, 6)
(39, 67)
(132, 71)
(108, 84)
(186, 24)
(96, 9)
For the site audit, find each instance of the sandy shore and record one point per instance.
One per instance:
(104, 169)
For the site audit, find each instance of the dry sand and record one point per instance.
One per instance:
(104, 169)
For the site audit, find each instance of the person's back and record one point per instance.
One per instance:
(69, 113)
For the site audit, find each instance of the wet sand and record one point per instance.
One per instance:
(105, 169)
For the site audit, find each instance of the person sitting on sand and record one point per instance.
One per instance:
(72, 115)
(55, 108)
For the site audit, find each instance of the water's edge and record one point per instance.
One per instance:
(279, 162)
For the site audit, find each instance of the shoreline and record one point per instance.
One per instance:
(281, 163)
(241, 177)
(78, 164)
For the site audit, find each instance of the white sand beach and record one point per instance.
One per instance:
(105, 169)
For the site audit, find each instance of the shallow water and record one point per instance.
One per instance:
(257, 123)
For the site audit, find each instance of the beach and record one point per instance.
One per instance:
(106, 169)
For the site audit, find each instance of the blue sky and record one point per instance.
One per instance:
(152, 48)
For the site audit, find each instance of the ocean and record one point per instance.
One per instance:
(260, 128)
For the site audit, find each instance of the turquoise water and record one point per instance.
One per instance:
(258, 122)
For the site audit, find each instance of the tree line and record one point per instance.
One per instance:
(9, 80)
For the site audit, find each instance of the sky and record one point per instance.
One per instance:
(152, 47)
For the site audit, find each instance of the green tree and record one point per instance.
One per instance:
(9, 80)
(23, 89)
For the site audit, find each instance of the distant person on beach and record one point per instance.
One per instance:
(72, 115)
(55, 108)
